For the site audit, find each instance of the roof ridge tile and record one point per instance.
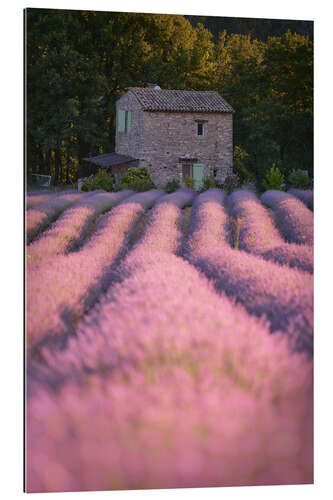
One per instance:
(181, 100)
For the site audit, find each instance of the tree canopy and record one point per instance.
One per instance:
(78, 63)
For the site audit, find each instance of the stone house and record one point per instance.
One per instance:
(175, 134)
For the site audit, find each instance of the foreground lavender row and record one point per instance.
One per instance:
(161, 379)
(197, 393)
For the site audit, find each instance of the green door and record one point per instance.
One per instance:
(198, 175)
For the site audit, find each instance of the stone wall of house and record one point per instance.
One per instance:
(171, 136)
(160, 139)
(131, 143)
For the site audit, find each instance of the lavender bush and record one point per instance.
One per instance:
(294, 219)
(305, 195)
(258, 232)
(66, 285)
(162, 231)
(71, 226)
(152, 364)
(209, 222)
(180, 198)
(40, 215)
(146, 199)
(292, 255)
(259, 235)
(283, 295)
(36, 198)
(162, 392)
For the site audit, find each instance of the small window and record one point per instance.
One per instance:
(200, 128)
(124, 121)
(121, 120)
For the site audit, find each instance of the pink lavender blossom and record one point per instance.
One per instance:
(167, 374)
(159, 391)
(162, 232)
(259, 235)
(71, 227)
(257, 231)
(209, 225)
(180, 198)
(295, 221)
(305, 195)
(33, 199)
(176, 431)
(292, 255)
(66, 285)
(212, 194)
(146, 199)
(283, 295)
(38, 217)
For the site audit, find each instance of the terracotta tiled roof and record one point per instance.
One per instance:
(181, 100)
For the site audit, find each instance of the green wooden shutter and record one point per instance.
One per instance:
(121, 120)
(198, 175)
(129, 121)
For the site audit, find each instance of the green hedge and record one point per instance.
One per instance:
(209, 182)
(172, 186)
(137, 179)
(299, 179)
(274, 179)
(102, 180)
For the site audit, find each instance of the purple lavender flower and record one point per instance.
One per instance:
(36, 198)
(283, 295)
(305, 195)
(294, 219)
(171, 377)
(66, 285)
(71, 226)
(159, 391)
(259, 235)
(40, 215)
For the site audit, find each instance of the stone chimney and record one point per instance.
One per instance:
(154, 86)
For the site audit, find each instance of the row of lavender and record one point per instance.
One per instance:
(166, 382)
(260, 234)
(282, 294)
(64, 286)
(61, 288)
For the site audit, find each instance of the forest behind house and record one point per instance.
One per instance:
(78, 63)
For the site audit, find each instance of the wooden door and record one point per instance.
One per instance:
(198, 175)
(187, 170)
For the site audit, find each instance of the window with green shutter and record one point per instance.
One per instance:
(124, 121)
(121, 120)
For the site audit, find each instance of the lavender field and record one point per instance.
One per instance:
(169, 339)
